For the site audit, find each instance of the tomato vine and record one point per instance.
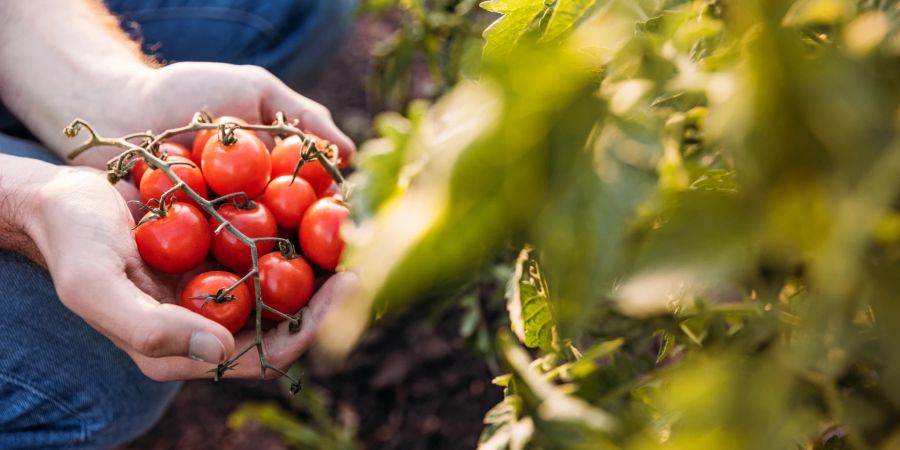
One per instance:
(146, 150)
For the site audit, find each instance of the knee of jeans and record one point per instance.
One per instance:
(120, 415)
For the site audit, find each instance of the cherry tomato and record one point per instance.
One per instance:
(333, 191)
(204, 135)
(243, 166)
(288, 199)
(319, 233)
(255, 222)
(155, 182)
(286, 155)
(286, 284)
(169, 148)
(176, 242)
(232, 314)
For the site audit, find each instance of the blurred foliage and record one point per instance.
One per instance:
(706, 194)
(436, 43)
(312, 428)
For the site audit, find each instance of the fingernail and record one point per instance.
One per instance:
(206, 347)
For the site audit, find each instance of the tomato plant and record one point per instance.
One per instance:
(288, 199)
(286, 283)
(205, 295)
(255, 221)
(320, 232)
(175, 242)
(155, 182)
(707, 233)
(243, 165)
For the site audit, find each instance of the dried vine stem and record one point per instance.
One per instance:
(148, 150)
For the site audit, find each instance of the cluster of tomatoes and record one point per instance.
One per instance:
(179, 236)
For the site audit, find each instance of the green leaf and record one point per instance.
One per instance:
(528, 303)
(293, 430)
(503, 429)
(565, 15)
(572, 422)
(518, 16)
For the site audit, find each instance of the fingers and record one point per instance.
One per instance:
(318, 120)
(281, 347)
(137, 322)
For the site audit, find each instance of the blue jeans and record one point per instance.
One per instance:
(62, 384)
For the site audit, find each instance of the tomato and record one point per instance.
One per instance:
(168, 148)
(243, 166)
(319, 233)
(288, 199)
(176, 242)
(232, 314)
(255, 222)
(155, 182)
(333, 191)
(204, 135)
(286, 155)
(286, 284)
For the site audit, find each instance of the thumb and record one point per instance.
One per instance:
(132, 318)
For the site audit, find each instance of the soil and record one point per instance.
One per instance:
(410, 384)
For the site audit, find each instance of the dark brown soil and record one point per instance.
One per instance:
(411, 384)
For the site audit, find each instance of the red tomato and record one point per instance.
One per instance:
(255, 222)
(286, 284)
(319, 233)
(176, 242)
(169, 148)
(243, 166)
(155, 182)
(288, 199)
(204, 135)
(286, 155)
(232, 314)
(333, 191)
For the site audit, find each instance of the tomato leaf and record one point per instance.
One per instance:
(552, 408)
(503, 429)
(565, 15)
(518, 17)
(528, 303)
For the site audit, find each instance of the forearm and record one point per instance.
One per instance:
(20, 181)
(76, 60)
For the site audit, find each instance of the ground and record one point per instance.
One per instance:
(412, 383)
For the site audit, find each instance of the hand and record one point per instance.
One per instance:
(81, 226)
(167, 97)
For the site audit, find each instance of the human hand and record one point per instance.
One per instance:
(167, 97)
(81, 227)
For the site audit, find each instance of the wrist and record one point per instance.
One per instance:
(21, 180)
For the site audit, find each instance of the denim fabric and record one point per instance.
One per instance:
(62, 384)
